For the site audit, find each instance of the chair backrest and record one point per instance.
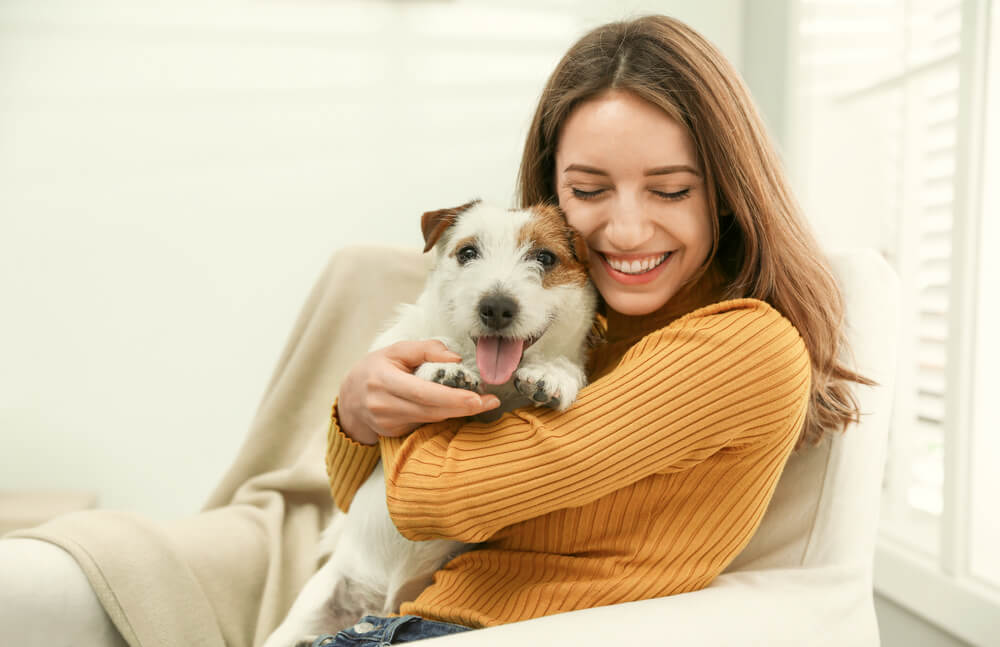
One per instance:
(826, 506)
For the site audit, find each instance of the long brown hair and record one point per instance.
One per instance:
(762, 244)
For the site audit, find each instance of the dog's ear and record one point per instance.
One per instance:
(577, 245)
(435, 223)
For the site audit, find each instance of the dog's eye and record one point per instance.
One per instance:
(466, 254)
(546, 258)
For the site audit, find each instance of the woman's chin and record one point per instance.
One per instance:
(635, 305)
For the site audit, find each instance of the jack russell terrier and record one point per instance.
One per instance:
(509, 291)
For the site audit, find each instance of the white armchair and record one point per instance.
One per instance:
(806, 576)
(804, 579)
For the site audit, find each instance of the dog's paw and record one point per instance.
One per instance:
(545, 387)
(449, 374)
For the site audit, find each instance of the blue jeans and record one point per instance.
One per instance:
(373, 630)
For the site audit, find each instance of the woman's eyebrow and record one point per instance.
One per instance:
(676, 168)
(584, 169)
(660, 170)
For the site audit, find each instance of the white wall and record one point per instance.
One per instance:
(173, 180)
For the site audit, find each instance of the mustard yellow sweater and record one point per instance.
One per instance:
(649, 485)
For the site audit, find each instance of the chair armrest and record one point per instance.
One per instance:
(26, 509)
(805, 606)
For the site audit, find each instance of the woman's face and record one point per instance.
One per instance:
(628, 178)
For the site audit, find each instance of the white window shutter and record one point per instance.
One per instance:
(897, 62)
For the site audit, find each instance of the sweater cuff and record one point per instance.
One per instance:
(348, 462)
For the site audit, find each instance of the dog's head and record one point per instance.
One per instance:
(509, 279)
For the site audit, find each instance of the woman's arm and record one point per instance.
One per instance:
(721, 376)
(348, 462)
(380, 396)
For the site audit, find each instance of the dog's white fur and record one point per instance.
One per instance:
(374, 568)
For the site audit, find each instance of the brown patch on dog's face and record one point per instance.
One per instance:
(548, 230)
(433, 224)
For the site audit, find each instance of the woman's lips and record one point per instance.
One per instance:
(634, 279)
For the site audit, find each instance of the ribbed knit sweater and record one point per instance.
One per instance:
(649, 485)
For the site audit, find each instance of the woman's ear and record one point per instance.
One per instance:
(435, 223)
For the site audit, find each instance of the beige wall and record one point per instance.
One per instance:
(173, 180)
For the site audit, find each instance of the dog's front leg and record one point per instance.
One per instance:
(554, 383)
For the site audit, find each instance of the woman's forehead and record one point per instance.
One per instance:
(619, 128)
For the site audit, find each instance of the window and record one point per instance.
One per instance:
(891, 113)
(984, 560)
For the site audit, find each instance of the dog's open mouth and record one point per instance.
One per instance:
(497, 357)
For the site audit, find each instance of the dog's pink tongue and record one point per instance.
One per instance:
(497, 358)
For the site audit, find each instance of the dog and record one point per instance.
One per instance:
(509, 291)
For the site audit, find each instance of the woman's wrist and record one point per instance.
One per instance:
(370, 438)
(353, 429)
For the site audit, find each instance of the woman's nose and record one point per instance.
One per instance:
(628, 227)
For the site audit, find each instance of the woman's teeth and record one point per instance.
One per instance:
(637, 266)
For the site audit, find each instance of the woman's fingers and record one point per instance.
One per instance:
(411, 354)
(409, 387)
(421, 401)
(381, 396)
(436, 401)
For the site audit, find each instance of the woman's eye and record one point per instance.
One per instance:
(586, 195)
(546, 258)
(677, 195)
(466, 254)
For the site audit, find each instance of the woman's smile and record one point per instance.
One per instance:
(634, 269)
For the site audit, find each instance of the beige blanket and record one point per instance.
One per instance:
(226, 576)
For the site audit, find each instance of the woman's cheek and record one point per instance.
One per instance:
(578, 219)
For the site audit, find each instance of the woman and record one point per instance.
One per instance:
(719, 356)
(722, 329)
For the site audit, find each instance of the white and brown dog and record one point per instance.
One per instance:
(509, 292)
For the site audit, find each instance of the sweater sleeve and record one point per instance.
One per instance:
(726, 375)
(348, 462)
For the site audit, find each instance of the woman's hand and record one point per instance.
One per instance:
(380, 396)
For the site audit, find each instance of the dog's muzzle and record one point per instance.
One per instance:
(497, 311)
(497, 356)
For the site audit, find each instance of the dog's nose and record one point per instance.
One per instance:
(497, 311)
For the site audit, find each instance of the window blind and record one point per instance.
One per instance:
(886, 77)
